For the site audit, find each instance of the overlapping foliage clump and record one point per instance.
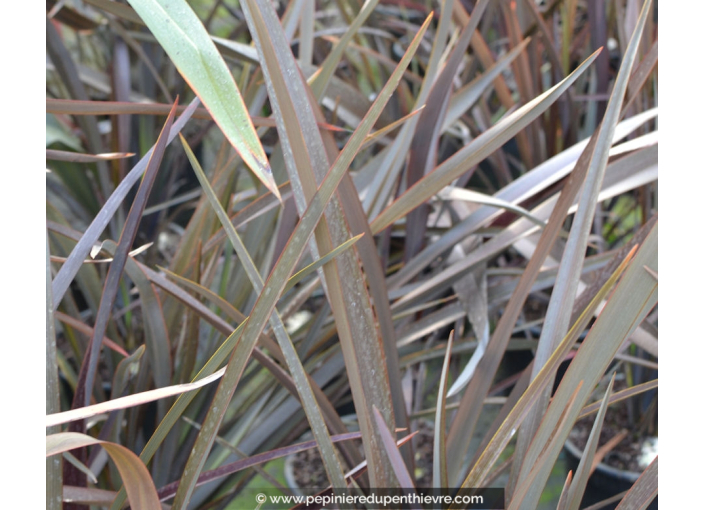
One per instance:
(262, 216)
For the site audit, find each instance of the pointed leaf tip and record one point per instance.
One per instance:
(188, 44)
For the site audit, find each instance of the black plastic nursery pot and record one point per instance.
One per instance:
(605, 482)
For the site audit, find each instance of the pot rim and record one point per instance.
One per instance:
(630, 476)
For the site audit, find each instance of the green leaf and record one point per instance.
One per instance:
(311, 268)
(581, 476)
(185, 40)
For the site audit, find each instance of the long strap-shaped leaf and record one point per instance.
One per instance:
(320, 80)
(307, 162)
(169, 490)
(581, 477)
(185, 40)
(404, 477)
(53, 403)
(128, 401)
(439, 447)
(423, 150)
(140, 488)
(275, 284)
(643, 491)
(563, 295)
(115, 272)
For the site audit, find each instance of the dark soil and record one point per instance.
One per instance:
(424, 455)
(309, 471)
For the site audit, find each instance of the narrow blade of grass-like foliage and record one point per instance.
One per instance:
(75, 107)
(129, 401)
(76, 157)
(80, 466)
(116, 267)
(319, 81)
(376, 280)
(606, 448)
(606, 502)
(185, 40)
(562, 502)
(465, 97)
(275, 284)
(632, 300)
(473, 153)
(568, 277)
(68, 271)
(640, 75)
(140, 488)
(527, 487)
(423, 150)
(261, 205)
(53, 473)
(380, 189)
(311, 268)
(88, 496)
(371, 138)
(453, 193)
(156, 335)
(508, 428)
(310, 405)
(211, 296)
(124, 367)
(581, 476)
(619, 396)
(643, 491)
(439, 448)
(404, 477)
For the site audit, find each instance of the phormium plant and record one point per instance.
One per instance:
(346, 221)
